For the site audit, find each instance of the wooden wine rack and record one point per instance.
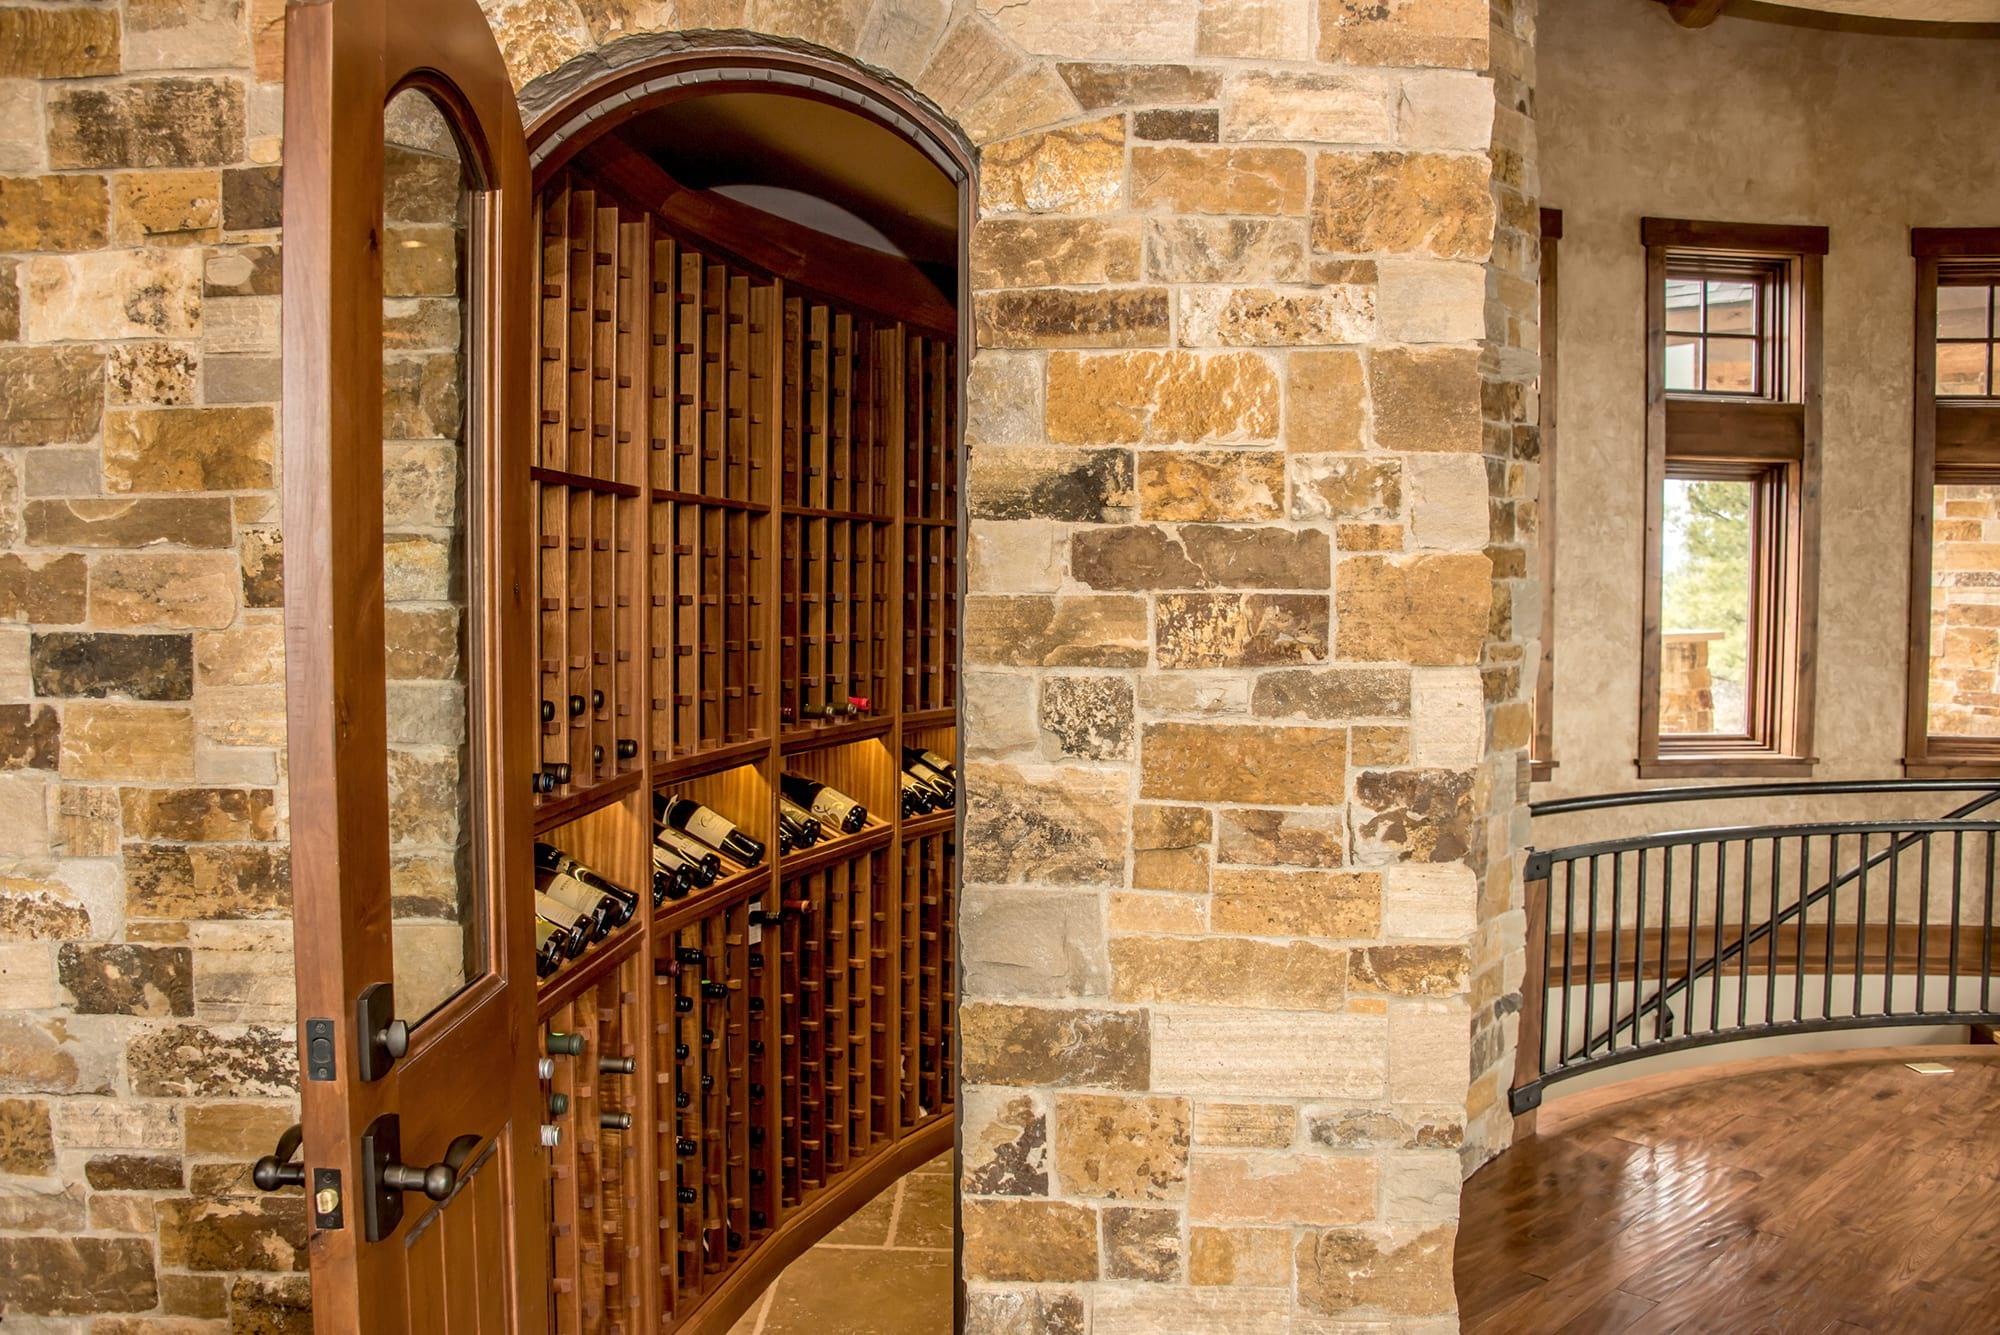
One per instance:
(748, 505)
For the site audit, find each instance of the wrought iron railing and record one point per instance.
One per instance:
(1654, 943)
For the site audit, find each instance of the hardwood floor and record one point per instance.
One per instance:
(1834, 1193)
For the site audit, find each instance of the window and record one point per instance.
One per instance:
(1953, 706)
(1732, 532)
(1541, 745)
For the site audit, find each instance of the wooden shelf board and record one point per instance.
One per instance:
(720, 502)
(576, 805)
(583, 481)
(829, 851)
(838, 734)
(678, 913)
(710, 762)
(587, 970)
(936, 822)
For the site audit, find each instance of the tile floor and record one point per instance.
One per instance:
(885, 1271)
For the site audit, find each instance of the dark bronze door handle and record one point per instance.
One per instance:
(385, 1177)
(276, 1169)
(437, 1181)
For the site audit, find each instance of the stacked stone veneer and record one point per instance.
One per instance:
(1965, 612)
(1233, 643)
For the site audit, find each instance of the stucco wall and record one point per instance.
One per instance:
(1755, 122)
(1232, 607)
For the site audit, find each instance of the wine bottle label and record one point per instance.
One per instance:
(555, 910)
(756, 932)
(830, 805)
(708, 827)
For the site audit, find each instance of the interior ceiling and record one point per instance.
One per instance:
(1912, 11)
(811, 161)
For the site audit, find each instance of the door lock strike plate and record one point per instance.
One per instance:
(327, 1209)
(321, 1055)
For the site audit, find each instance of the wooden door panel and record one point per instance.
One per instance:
(367, 411)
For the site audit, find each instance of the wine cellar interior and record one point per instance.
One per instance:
(747, 598)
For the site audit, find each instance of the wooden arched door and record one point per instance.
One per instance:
(406, 249)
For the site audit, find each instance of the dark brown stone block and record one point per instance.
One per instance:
(199, 815)
(1425, 814)
(30, 737)
(191, 521)
(133, 1172)
(1079, 486)
(1142, 1244)
(196, 1061)
(93, 665)
(1037, 1045)
(1051, 317)
(274, 1306)
(207, 881)
(72, 1276)
(1189, 125)
(171, 122)
(128, 979)
(1099, 85)
(253, 198)
(25, 1144)
(242, 271)
(263, 551)
(50, 396)
(46, 590)
(242, 1233)
(1333, 693)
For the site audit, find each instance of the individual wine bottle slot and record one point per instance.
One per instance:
(673, 853)
(559, 1044)
(757, 1219)
(551, 948)
(827, 804)
(615, 1121)
(601, 911)
(683, 1099)
(944, 768)
(692, 818)
(686, 1195)
(917, 798)
(684, 1005)
(577, 704)
(617, 1065)
(685, 1147)
(628, 749)
(859, 704)
(548, 711)
(551, 1136)
(597, 756)
(553, 859)
(597, 700)
(830, 710)
(714, 991)
(551, 777)
(692, 850)
(558, 1104)
(690, 955)
(573, 931)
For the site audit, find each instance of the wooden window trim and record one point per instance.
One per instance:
(1774, 442)
(1951, 440)
(1542, 745)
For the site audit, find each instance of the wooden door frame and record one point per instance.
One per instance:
(564, 124)
(343, 63)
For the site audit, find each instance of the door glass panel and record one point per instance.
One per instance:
(438, 916)
(1705, 608)
(1965, 611)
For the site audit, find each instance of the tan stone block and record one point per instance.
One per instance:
(1427, 610)
(1131, 912)
(1369, 537)
(189, 449)
(1346, 486)
(1194, 695)
(1225, 250)
(116, 741)
(1041, 252)
(243, 971)
(1149, 557)
(1338, 108)
(1448, 109)
(1404, 203)
(185, 34)
(86, 824)
(1269, 1054)
(152, 374)
(1420, 1186)
(1183, 486)
(829, 23)
(1025, 556)
(1430, 1046)
(21, 146)
(1100, 631)
(1077, 169)
(973, 59)
(1032, 945)
(28, 978)
(182, 208)
(50, 396)
(1275, 317)
(25, 1144)
(1411, 971)
(1003, 1142)
(1224, 971)
(91, 296)
(1404, 32)
(999, 713)
(1449, 507)
(1203, 630)
(1403, 1272)
(1170, 848)
(50, 212)
(243, 325)
(898, 36)
(1281, 838)
(1038, 1241)
(1326, 401)
(1024, 1311)
(1098, 29)
(1447, 718)
(1431, 301)
(1248, 1257)
(1334, 693)
(65, 43)
(1429, 901)
(1376, 744)
(1177, 397)
(1248, 181)
(1122, 1148)
(1265, 1126)
(1370, 1127)
(194, 521)
(1054, 826)
(198, 814)
(245, 655)
(1041, 1045)
(1027, 101)
(1209, 762)
(1072, 318)
(1255, 29)
(1051, 482)
(536, 36)
(1003, 395)
(1211, 1311)
(1341, 905)
(1250, 1188)
(196, 590)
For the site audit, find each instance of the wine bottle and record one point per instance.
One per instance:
(615, 1121)
(943, 789)
(551, 946)
(601, 909)
(670, 883)
(551, 777)
(830, 710)
(554, 859)
(572, 935)
(826, 803)
(806, 829)
(692, 818)
(617, 1065)
(628, 748)
(917, 796)
(944, 768)
(673, 860)
(548, 711)
(577, 704)
(558, 1104)
(692, 851)
(559, 1044)
(686, 1195)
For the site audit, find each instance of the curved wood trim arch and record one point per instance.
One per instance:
(566, 111)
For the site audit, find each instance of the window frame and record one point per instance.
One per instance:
(1771, 440)
(1768, 281)
(1541, 742)
(1953, 439)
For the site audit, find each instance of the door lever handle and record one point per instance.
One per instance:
(276, 1169)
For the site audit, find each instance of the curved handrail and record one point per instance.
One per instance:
(1643, 797)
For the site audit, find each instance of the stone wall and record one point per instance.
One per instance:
(146, 1042)
(1241, 480)
(1965, 613)
(1687, 684)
